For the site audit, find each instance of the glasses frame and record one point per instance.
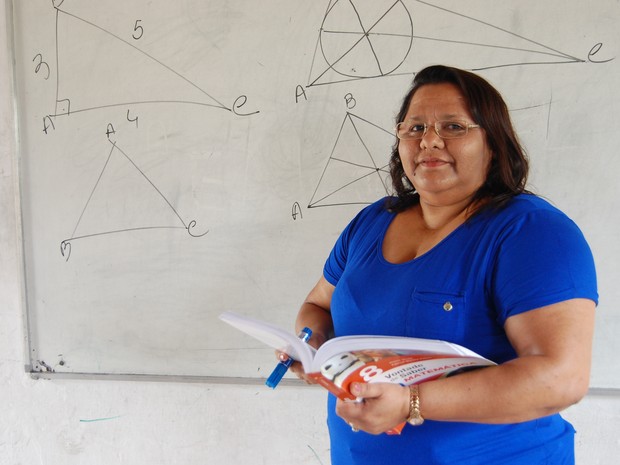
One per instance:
(466, 125)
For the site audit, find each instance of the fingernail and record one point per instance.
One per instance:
(355, 388)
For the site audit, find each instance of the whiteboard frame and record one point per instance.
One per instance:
(28, 346)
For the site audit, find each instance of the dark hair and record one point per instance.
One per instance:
(508, 172)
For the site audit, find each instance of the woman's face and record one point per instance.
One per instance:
(443, 171)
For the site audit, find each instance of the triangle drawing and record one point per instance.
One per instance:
(357, 171)
(98, 69)
(123, 199)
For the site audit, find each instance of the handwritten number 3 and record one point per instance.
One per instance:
(41, 63)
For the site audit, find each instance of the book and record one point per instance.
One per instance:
(365, 358)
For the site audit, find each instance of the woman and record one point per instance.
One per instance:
(462, 253)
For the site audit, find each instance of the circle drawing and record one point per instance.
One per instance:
(366, 38)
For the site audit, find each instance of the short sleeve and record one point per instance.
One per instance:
(543, 258)
(337, 260)
(367, 225)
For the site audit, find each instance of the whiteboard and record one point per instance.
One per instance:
(181, 159)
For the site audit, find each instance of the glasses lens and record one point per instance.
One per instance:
(451, 129)
(410, 130)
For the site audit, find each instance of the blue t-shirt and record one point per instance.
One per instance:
(498, 264)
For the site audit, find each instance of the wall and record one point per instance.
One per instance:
(73, 422)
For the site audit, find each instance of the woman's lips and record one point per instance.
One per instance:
(432, 162)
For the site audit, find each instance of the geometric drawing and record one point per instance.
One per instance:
(119, 72)
(357, 170)
(361, 39)
(501, 47)
(98, 69)
(142, 205)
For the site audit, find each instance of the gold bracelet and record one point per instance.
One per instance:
(415, 417)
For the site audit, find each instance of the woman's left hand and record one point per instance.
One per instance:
(384, 406)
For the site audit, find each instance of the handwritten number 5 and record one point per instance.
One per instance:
(138, 30)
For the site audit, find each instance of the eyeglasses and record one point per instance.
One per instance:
(444, 129)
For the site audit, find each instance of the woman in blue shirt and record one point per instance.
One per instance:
(461, 252)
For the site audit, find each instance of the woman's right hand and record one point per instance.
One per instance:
(315, 341)
(296, 368)
(314, 313)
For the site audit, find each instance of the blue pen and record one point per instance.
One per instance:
(282, 367)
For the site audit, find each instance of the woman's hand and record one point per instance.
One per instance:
(296, 368)
(383, 407)
(314, 314)
(316, 340)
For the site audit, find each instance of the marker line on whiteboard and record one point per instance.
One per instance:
(92, 420)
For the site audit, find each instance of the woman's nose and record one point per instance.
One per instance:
(431, 139)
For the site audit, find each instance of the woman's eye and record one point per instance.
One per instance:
(416, 128)
(454, 126)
